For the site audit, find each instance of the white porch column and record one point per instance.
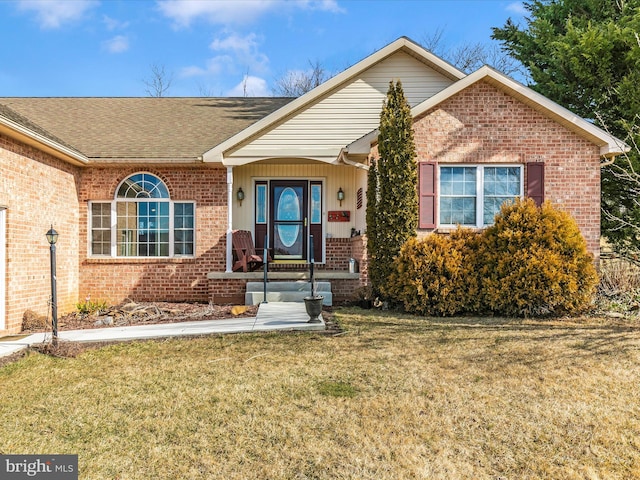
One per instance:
(229, 219)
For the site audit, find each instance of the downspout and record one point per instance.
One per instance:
(342, 157)
(356, 164)
(229, 219)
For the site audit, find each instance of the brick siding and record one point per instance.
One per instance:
(227, 291)
(141, 279)
(482, 124)
(37, 191)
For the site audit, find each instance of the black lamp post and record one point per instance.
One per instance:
(52, 238)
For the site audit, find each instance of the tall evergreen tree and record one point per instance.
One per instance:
(584, 54)
(372, 214)
(392, 218)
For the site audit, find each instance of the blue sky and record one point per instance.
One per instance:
(214, 47)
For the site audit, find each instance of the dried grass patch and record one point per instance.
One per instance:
(392, 397)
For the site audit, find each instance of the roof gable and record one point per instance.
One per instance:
(609, 145)
(317, 124)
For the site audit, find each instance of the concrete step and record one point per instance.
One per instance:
(255, 298)
(296, 286)
(286, 292)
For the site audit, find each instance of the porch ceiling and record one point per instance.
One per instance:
(281, 159)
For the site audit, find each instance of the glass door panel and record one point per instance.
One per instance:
(289, 222)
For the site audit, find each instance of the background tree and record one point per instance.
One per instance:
(584, 54)
(471, 56)
(159, 81)
(394, 218)
(297, 83)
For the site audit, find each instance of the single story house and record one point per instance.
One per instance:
(146, 192)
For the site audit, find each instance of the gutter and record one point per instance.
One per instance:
(608, 162)
(70, 154)
(343, 157)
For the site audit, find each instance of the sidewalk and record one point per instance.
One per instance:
(270, 316)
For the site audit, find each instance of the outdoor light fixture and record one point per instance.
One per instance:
(52, 238)
(240, 195)
(340, 195)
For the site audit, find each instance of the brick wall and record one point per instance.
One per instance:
(359, 252)
(482, 124)
(177, 279)
(227, 291)
(338, 254)
(38, 191)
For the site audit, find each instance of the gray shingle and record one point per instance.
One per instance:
(24, 122)
(146, 128)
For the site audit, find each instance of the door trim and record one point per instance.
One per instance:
(302, 222)
(259, 238)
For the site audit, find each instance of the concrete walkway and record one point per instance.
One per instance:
(271, 316)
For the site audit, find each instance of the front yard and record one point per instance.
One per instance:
(391, 397)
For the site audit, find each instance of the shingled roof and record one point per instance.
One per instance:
(161, 129)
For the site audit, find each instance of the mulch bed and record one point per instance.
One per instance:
(131, 313)
(143, 313)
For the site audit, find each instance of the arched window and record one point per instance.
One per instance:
(142, 185)
(142, 221)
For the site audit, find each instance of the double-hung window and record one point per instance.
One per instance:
(472, 195)
(142, 221)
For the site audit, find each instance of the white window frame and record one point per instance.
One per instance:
(479, 189)
(114, 224)
(172, 229)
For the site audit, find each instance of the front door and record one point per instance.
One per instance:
(289, 222)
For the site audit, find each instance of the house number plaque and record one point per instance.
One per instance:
(339, 215)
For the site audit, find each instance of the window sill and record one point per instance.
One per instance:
(449, 230)
(139, 260)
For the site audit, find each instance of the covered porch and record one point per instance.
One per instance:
(302, 208)
(232, 287)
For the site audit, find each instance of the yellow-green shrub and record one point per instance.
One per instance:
(535, 262)
(436, 275)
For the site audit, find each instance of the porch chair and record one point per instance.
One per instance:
(244, 252)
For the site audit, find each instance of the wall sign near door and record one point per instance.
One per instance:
(339, 216)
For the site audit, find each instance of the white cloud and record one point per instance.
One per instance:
(192, 71)
(236, 12)
(322, 5)
(221, 63)
(214, 66)
(113, 24)
(183, 12)
(517, 8)
(53, 13)
(250, 87)
(243, 50)
(236, 43)
(117, 44)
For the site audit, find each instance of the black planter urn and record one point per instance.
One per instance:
(314, 308)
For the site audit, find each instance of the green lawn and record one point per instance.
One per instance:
(391, 397)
